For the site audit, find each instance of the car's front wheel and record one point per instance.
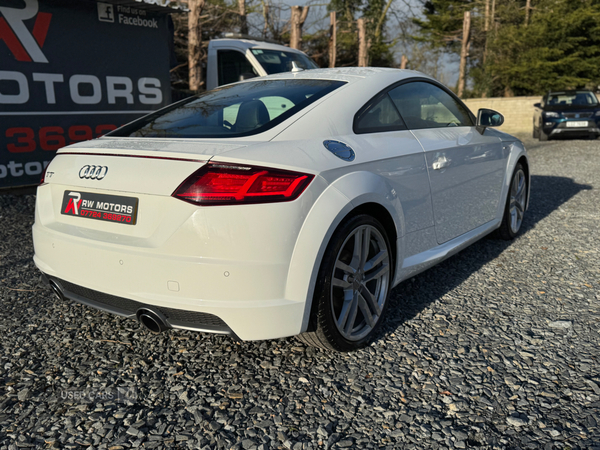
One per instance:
(353, 285)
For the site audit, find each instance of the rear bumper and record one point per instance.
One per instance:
(269, 319)
(175, 318)
(244, 295)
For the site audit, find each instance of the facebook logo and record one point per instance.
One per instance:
(106, 12)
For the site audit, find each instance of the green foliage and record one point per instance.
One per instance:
(558, 49)
(380, 54)
(443, 22)
(375, 12)
(347, 10)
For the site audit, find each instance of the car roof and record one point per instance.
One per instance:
(381, 76)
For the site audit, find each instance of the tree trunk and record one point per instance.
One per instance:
(299, 14)
(527, 12)
(381, 19)
(243, 18)
(403, 62)
(195, 44)
(363, 51)
(464, 54)
(269, 25)
(266, 18)
(295, 27)
(487, 30)
(332, 38)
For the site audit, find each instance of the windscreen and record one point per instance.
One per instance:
(582, 98)
(276, 61)
(236, 110)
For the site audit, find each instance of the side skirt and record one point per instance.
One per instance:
(420, 262)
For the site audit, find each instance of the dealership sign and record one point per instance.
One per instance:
(73, 71)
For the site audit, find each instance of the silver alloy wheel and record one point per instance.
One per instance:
(360, 282)
(518, 196)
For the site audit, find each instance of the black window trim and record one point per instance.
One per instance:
(377, 97)
(365, 110)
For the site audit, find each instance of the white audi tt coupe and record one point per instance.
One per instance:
(278, 206)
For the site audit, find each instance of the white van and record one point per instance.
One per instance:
(232, 60)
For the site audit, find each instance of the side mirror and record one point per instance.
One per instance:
(247, 76)
(488, 118)
(537, 105)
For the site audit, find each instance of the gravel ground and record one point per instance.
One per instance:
(498, 347)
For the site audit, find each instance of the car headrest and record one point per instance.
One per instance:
(251, 115)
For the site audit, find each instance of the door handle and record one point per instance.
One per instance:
(441, 163)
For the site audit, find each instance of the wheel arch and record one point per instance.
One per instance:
(525, 163)
(359, 192)
(380, 213)
(518, 154)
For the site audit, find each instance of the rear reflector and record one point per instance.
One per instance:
(228, 184)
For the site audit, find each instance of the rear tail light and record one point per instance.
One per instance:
(43, 180)
(228, 184)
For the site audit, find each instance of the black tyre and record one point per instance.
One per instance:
(536, 132)
(352, 288)
(516, 202)
(543, 136)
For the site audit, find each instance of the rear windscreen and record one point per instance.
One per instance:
(236, 110)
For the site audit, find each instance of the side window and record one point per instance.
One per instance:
(424, 105)
(231, 65)
(378, 117)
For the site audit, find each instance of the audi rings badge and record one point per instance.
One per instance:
(93, 172)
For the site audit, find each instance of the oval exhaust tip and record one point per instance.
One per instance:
(57, 290)
(152, 320)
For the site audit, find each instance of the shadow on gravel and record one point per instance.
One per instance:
(548, 193)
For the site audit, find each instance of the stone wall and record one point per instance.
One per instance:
(517, 111)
